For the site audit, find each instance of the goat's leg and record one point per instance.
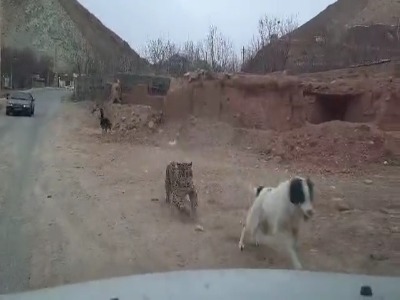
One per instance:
(255, 239)
(250, 226)
(291, 248)
(295, 258)
(281, 239)
(295, 232)
(278, 240)
(256, 236)
(265, 239)
(241, 243)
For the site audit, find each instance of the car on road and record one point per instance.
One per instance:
(21, 103)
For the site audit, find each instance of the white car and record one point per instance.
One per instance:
(232, 284)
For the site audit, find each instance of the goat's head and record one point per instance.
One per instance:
(301, 194)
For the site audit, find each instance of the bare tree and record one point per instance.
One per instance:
(196, 54)
(159, 51)
(126, 63)
(222, 56)
(19, 65)
(190, 51)
(216, 51)
(193, 51)
(272, 43)
(81, 56)
(252, 49)
(211, 44)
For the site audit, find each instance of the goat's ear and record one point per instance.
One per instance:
(296, 193)
(259, 189)
(190, 164)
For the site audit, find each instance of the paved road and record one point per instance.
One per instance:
(21, 140)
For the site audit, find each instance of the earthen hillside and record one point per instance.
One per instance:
(350, 32)
(63, 28)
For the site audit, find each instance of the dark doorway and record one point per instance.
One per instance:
(329, 107)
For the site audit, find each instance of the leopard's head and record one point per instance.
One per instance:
(185, 174)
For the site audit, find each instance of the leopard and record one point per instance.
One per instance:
(179, 184)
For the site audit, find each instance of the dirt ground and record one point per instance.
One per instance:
(103, 212)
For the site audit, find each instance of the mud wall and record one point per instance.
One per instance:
(355, 108)
(160, 85)
(373, 100)
(90, 87)
(138, 94)
(261, 102)
(389, 118)
(283, 102)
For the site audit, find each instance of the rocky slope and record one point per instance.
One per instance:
(66, 31)
(351, 32)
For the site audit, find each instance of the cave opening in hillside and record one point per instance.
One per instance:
(332, 107)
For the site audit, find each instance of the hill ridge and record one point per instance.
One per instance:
(68, 28)
(342, 43)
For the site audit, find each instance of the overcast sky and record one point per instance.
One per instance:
(137, 21)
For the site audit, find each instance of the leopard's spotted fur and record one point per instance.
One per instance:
(179, 184)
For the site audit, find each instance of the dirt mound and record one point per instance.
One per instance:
(331, 145)
(196, 132)
(328, 147)
(134, 117)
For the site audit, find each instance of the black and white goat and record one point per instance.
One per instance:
(275, 216)
(105, 123)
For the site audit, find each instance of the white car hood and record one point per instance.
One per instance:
(248, 284)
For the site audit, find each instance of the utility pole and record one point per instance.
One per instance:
(1, 39)
(55, 65)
